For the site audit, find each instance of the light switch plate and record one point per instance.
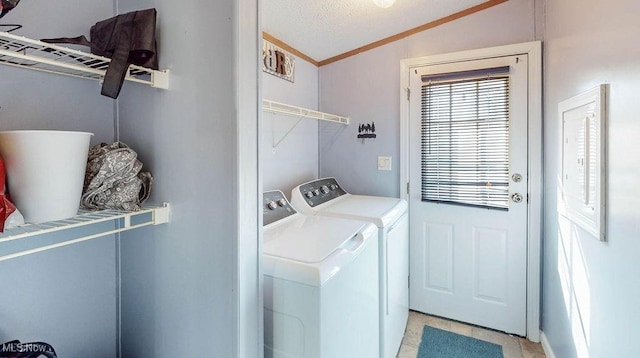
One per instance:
(384, 163)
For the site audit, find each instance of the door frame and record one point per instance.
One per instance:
(534, 149)
(248, 328)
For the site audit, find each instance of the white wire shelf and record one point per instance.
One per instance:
(36, 55)
(288, 109)
(32, 238)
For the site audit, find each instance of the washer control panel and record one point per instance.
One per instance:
(320, 191)
(275, 206)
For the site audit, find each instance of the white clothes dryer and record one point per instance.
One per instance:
(320, 284)
(325, 197)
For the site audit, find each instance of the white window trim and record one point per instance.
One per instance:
(534, 101)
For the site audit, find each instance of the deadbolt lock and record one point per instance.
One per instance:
(516, 177)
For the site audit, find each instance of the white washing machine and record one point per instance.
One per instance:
(320, 284)
(326, 197)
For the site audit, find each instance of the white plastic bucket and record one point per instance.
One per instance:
(45, 171)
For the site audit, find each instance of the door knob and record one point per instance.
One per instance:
(517, 197)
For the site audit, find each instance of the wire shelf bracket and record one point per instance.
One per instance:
(86, 225)
(294, 111)
(36, 55)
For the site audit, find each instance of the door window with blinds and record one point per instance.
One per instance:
(465, 138)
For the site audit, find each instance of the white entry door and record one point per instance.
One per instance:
(468, 191)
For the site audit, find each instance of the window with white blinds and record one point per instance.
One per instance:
(465, 138)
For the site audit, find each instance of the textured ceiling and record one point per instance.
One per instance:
(325, 28)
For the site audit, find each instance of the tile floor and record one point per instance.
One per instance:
(512, 346)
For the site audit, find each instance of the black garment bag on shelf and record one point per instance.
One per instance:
(7, 5)
(127, 39)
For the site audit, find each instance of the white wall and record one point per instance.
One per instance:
(180, 281)
(294, 159)
(365, 87)
(591, 288)
(66, 296)
(36, 100)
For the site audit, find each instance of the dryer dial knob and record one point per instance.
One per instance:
(309, 194)
(272, 205)
(316, 192)
(282, 202)
(325, 189)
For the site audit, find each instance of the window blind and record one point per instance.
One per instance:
(465, 139)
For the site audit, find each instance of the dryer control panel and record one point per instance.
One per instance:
(275, 206)
(320, 191)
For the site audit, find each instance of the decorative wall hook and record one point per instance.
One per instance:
(367, 131)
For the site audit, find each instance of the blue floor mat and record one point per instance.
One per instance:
(437, 343)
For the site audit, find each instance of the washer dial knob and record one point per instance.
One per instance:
(309, 194)
(325, 189)
(272, 205)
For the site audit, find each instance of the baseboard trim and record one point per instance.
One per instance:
(546, 346)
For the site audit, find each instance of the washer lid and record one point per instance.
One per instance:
(308, 239)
